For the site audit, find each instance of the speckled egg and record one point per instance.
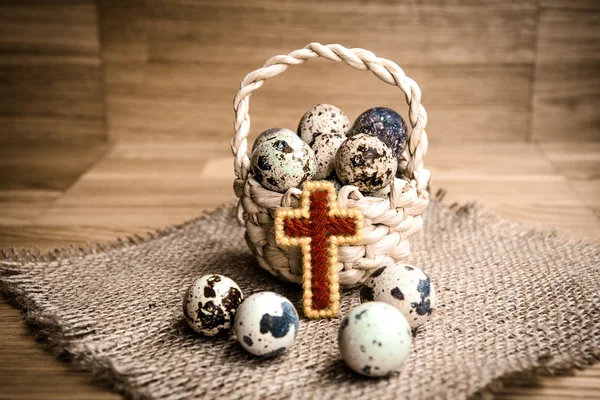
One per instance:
(365, 162)
(375, 339)
(273, 133)
(325, 147)
(322, 118)
(385, 124)
(382, 193)
(405, 287)
(266, 324)
(282, 163)
(209, 305)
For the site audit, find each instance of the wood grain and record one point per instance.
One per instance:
(566, 96)
(161, 101)
(50, 73)
(518, 182)
(493, 70)
(123, 30)
(576, 161)
(568, 36)
(413, 33)
(55, 29)
(198, 176)
(474, 64)
(29, 372)
(573, 4)
(581, 165)
(46, 167)
(34, 176)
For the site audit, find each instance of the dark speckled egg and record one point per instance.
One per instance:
(325, 147)
(385, 124)
(210, 303)
(273, 133)
(382, 193)
(282, 163)
(322, 118)
(266, 324)
(405, 287)
(365, 162)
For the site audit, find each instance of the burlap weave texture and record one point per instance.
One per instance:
(509, 300)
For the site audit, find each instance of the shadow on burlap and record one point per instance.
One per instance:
(510, 300)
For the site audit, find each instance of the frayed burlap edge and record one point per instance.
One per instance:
(49, 329)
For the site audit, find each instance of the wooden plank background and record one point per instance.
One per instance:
(474, 62)
(566, 99)
(493, 70)
(51, 82)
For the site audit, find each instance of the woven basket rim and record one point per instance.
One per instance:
(360, 59)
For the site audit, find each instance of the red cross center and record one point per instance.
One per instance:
(320, 227)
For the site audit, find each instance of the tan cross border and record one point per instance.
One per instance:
(319, 227)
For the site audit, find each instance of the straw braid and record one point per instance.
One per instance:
(361, 59)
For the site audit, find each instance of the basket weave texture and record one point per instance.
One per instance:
(388, 222)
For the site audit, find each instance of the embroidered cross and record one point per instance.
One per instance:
(319, 227)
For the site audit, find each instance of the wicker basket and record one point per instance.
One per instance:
(388, 221)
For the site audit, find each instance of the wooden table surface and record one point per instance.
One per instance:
(52, 196)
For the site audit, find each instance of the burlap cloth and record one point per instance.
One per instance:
(511, 300)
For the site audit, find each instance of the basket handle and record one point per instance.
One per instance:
(361, 59)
